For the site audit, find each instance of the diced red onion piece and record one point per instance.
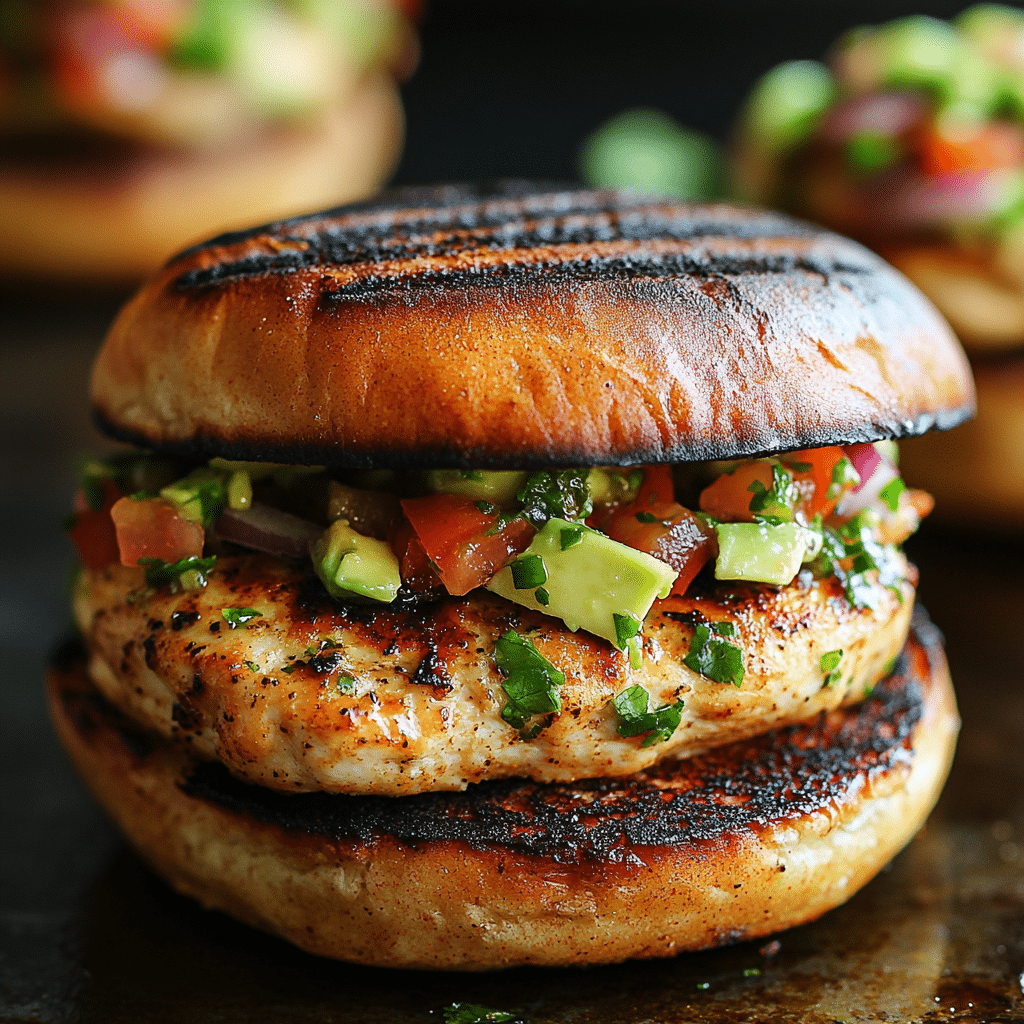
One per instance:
(865, 457)
(875, 472)
(269, 530)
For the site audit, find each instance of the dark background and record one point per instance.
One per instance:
(85, 933)
(512, 90)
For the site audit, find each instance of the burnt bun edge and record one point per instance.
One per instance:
(202, 447)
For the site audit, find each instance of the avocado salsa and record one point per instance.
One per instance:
(593, 547)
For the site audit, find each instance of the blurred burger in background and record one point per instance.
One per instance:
(910, 137)
(129, 128)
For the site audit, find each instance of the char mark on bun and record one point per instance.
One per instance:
(518, 512)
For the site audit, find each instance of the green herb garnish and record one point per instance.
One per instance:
(528, 572)
(486, 507)
(531, 682)
(570, 536)
(779, 499)
(714, 658)
(646, 517)
(632, 707)
(236, 617)
(843, 473)
(561, 495)
(471, 1013)
(891, 492)
(346, 685)
(855, 544)
(160, 573)
(626, 627)
(830, 667)
(252, 666)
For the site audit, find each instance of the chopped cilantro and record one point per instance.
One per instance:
(289, 669)
(558, 495)
(471, 1013)
(850, 553)
(160, 573)
(570, 536)
(236, 617)
(626, 627)
(252, 666)
(636, 478)
(346, 685)
(528, 572)
(779, 499)
(751, 972)
(531, 681)
(632, 707)
(543, 597)
(646, 517)
(843, 474)
(891, 492)
(830, 667)
(713, 658)
(486, 507)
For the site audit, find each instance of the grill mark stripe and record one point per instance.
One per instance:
(519, 202)
(422, 234)
(399, 267)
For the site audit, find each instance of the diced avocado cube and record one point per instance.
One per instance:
(594, 585)
(760, 552)
(349, 563)
(199, 497)
(499, 487)
(608, 485)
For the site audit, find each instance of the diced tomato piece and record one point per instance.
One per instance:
(815, 483)
(456, 536)
(414, 564)
(729, 497)
(152, 528)
(676, 536)
(93, 533)
(656, 487)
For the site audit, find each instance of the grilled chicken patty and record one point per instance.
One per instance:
(317, 695)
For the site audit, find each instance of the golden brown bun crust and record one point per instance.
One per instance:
(725, 846)
(976, 473)
(119, 223)
(516, 327)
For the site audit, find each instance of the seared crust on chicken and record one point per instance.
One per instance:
(317, 695)
(748, 839)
